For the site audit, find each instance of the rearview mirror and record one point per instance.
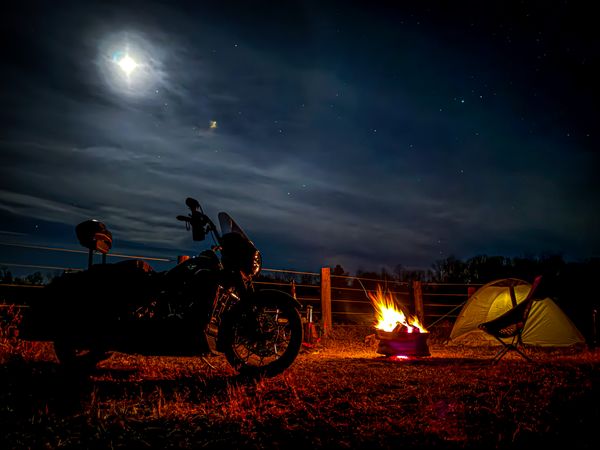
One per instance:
(192, 203)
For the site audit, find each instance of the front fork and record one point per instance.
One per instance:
(225, 299)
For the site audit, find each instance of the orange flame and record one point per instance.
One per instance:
(389, 317)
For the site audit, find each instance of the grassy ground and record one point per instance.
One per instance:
(339, 394)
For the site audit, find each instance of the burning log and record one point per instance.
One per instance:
(399, 334)
(401, 343)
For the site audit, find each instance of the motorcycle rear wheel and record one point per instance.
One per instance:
(263, 340)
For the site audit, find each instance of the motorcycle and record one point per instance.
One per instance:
(206, 304)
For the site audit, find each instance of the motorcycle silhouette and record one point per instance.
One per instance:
(206, 304)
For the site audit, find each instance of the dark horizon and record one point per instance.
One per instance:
(335, 133)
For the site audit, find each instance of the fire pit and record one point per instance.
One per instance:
(401, 343)
(399, 334)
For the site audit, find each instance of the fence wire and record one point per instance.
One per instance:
(347, 293)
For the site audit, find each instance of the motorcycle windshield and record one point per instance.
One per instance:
(228, 225)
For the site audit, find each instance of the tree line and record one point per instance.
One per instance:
(573, 285)
(33, 279)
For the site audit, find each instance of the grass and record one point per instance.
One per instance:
(338, 394)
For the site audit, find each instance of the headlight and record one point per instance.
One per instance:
(238, 253)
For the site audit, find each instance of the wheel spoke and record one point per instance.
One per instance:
(265, 337)
(271, 341)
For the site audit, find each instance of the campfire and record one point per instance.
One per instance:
(399, 334)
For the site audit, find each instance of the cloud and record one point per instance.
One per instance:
(323, 151)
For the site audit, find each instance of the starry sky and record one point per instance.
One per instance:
(363, 134)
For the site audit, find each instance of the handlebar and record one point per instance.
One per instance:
(200, 223)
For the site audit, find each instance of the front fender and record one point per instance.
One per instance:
(272, 294)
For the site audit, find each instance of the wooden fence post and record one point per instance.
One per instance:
(326, 300)
(418, 296)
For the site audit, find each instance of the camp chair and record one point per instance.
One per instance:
(510, 325)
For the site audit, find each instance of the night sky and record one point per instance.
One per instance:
(363, 134)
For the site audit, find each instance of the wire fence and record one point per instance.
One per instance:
(341, 299)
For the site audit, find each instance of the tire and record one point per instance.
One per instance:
(71, 356)
(262, 338)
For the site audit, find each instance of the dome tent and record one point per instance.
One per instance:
(546, 326)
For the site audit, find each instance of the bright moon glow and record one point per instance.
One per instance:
(130, 64)
(127, 64)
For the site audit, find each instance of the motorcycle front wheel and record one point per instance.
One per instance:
(263, 339)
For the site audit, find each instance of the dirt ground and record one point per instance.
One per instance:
(338, 394)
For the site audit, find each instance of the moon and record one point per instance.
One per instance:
(130, 64)
(127, 64)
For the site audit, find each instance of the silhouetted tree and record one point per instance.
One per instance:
(338, 275)
(483, 269)
(309, 279)
(407, 275)
(450, 270)
(5, 276)
(35, 278)
(369, 280)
